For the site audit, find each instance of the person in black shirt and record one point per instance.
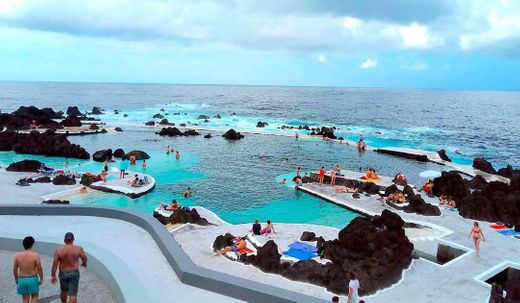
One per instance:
(256, 228)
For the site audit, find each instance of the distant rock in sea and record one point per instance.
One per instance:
(232, 135)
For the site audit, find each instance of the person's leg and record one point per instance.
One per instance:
(477, 246)
(73, 299)
(25, 298)
(63, 297)
(34, 298)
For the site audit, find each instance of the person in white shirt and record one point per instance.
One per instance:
(353, 287)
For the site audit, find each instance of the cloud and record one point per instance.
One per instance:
(417, 36)
(369, 63)
(322, 58)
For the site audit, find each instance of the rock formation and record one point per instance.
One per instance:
(232, 135)
(261, 124)
(483, 165)
(158, 116)
(416, 204)
(443, 156)
(29, 166)
(327, 132)
(102, 155)
(150, 123)
(207, 136)
(118, 129)
(375, 248)
(450, 184)
(182, 215)
(71, 121)
(96, 110)
(63, 180)
(74, 111)
(47, 143)
(139, 155)
(174, 132)
(87, 180)
(24, 116)
(203, 117)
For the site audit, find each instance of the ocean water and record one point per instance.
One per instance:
(240, 181)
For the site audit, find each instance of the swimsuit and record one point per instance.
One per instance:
(69, 281)
(28, 285)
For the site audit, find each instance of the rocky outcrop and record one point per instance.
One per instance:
(64, 180)
(326, 132)
(203, 117)
(165, 122)
(74, 111)
(139, 155)
(102, 155)
(416, 204)
(158, 116)
(88, 179)
(494, 202)
(150, 123)
(261, 124)
(375, 248)
(450, 184)
(232, 135)
(71, 121)
(369, 188)
(119, 153)
(47, 143)
(478, 182)
(118, 129)
(392, 189)
(56, 202)
(96, 110)
(182, 215)
(442, 154)
(508, 172)
(174, 132)
(29, 166)
(93, 126)
(23, 117)
(308, 236)
(207, 136)
(483, 165)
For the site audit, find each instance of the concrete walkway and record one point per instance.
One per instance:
(128, 252)
(426, 281)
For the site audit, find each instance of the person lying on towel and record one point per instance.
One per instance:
(237, 246)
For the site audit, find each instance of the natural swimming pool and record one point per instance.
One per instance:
(239, 181)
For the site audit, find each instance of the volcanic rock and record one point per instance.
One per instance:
(450, 184)
(71, 121)
(232, 135)
(125, 115)
(118, 129)
(218, 117)
(29, 166)
(24, 116)
(391, 190)
(164, 121)
(94, 126)
(74, 111)
(44, 179)
(150, 123)
(203, 117)
(416, 204)
(158, 116)
(64, 180)
(102, 155)
(442, 154)
(207, 136)
(327, 132)
(96, 110)
(139, 155)
(483, 165)
(118, 153)
(369, 188)
(408, 191)
(89, 179)
(261, 124)
(308, 236)
(170, 132)
(478, 182)
(182, 215)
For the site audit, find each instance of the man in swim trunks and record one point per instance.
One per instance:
(239, 245)
(26, 266)
(67, 259)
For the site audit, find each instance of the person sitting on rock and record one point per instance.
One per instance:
(257, 228)
(338, 171)
(397, 197)
(34, 125)
(298, 181)
(173, 206)
(269, 228)
(400, 179)
(447, 201)
(427, 187)
(135, 182)
(239, 245)
(370, 175)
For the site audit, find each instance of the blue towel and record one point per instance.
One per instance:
(303, 246)
(299, 254)
(507, 232)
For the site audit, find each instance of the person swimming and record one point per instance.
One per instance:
(284, 181)
(177, 155)
(143, 164)
(168, 150)
(188, 192)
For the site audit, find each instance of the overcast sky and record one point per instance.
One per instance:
(386, 43)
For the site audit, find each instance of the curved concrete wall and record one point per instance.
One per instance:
(187, 271)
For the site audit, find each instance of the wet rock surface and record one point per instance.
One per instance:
(71, 121)
(63, 180)
(232, 135)
(182, 215)
(102, 155)
(24, 116)
(139, 155)
(442, 154)
(30, 166)
(483, 165)
(175, 132)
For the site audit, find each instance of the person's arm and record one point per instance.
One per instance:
(272, 227)
(54, 267)
(470, 232)
(15, 270)
(83, 257)
(482, 233)
(39, 269)
(350, 291)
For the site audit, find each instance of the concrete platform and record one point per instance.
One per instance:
(122, 186)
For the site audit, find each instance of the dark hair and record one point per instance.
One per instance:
(28, 242)
(268, 221)
(475, 223)
(352, 275)
(335, 299)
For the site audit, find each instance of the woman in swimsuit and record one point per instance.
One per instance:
(322, 174)
(333, 177)
(477, 234)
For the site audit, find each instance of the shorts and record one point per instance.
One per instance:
(69, 281)
(28, 285)
(354, 299)
(235, 248)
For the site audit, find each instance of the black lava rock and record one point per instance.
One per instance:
(102, 155)
(64, 180)
(29, 166)
(442, 154)
(483, 165)
(232, 135)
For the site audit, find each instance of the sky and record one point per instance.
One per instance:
(453, 44)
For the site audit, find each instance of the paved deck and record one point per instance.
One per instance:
(122, 186)
(128, 252)
(426, 281)
(91, 285)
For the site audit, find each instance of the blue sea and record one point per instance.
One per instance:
(240, 180)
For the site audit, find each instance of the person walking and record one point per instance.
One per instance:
(477, 234)
(66, 258)
(27, 267)
(353, 287)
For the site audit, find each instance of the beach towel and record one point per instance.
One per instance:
(244, 250)
(508, 232)
(303, 246)
(497, 226)
(299, 254)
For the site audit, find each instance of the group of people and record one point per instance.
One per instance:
(138, 182)
(361, 144)
(28, 272)
(174, 204)
(169, 150)
(258, 230)
(336, 171)
(371, 174)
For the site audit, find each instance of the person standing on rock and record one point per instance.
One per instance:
(332, 177)
(26, 269)
(477, 234)
(353, 287)
(66, 258)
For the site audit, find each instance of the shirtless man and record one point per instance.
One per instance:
(67, 258)
(26, 265)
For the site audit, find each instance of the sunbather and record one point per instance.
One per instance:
(135, 182)
(173, 206)
(83, 190)
(397, 197)
(371, 174)
(447, 202)
(269, 227)
(346, 189)
(239, 245)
